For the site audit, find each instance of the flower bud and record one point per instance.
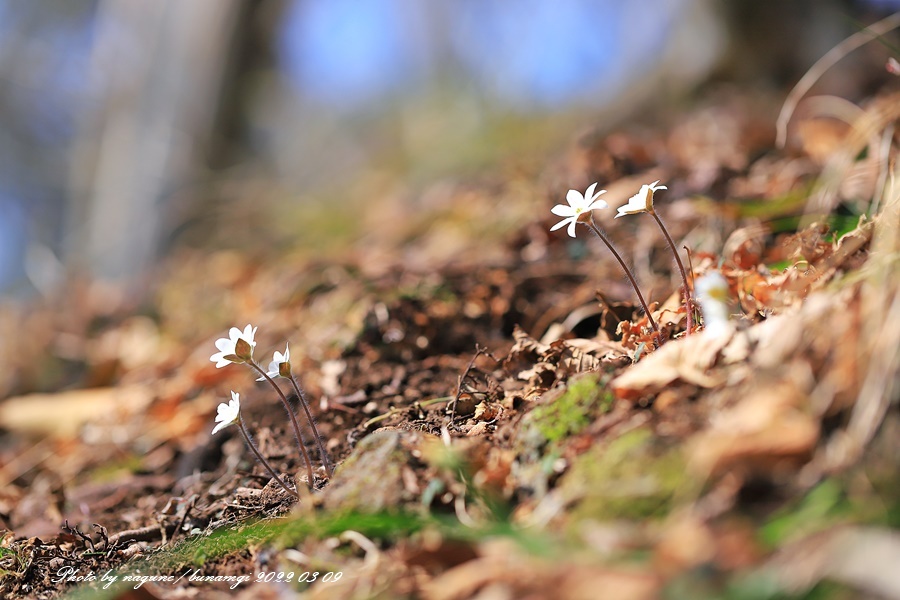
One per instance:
(284, 370)
(243, 349)
(712, 293)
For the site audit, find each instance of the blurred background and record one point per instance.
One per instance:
(129, 128)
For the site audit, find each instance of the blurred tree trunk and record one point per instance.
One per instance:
(158, 68)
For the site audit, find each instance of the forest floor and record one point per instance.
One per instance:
(503, 422)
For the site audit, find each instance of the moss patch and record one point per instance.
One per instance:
(633, 477)
(570, 413)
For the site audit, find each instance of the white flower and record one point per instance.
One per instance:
(712, 294)
(280, 365)
(642, 201)
(228, 413)
(579, 207)
(236, 348)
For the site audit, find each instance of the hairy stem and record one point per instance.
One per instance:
(325, 461)
(284, 401)
(264, 462)
(628, 273)
(688, 304)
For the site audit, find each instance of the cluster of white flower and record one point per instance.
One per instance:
(580, 206)
(579, 210)
(234, 350)
(237, 349)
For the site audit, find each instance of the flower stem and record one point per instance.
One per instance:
(325, 461)
(284, 401)
(688, 304)
(628, 273)
(264, 462)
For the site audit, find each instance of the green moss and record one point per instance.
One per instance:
(572, 411)
(196, 551)
(633, 477)
(380, 526)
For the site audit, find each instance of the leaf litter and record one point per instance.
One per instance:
(503, 421)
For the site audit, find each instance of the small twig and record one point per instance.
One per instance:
(373, 554)
(609, 309)
(163, 534)
(74, 531)
(240, 506)
(382, 416)
(478, 352)
(343, 407)
(103, 532)
(398, 409)
(462, 515)
(187, 511)
(142, 534)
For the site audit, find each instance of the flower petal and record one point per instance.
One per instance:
(560, 224)
(561, 210)
(571, 229)
(574, 198)
(589, 194)
(220, 427)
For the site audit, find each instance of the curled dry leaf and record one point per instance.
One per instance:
(686, 360)
(487, 411)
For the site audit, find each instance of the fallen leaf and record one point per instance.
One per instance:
(687, 360)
